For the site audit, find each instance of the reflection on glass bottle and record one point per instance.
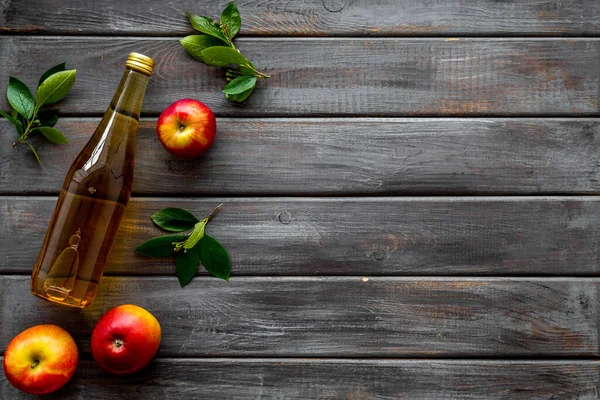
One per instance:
(61, 276)
(93, 199)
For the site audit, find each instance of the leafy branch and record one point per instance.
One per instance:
(26, 114)
(215, 47)
(189, 250)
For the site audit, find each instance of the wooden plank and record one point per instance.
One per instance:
(339, 156)
(354, 236)
(230, 378)
(337, 76)
(337, 316)
(311, 18)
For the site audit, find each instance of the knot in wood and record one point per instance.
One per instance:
(285, 217)
(334, 5)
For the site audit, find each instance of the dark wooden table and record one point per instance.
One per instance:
(410, 201)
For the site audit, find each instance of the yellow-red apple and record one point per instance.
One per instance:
(125, 339)
(186, 128)
(40, 359)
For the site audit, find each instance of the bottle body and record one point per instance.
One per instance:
(91, 203)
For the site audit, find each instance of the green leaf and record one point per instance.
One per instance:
(20, 97)
(206, 25)
(47, 117)
(55, 87)
(57, 68)
(37, 157)
(220, 56)
(214, 257)
(194, 44)
(15, 122)
(13, 112)
(196, 235)
(240, 85)
(53, 134)
(160, 246)
(174, 219)
(238, 98)
(186, 265)
(232, 20)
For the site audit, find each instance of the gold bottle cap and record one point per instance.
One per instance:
(140, 63)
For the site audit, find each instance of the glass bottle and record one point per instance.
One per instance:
(93, 198)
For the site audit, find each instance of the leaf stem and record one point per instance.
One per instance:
(37, 157)
(179, 245)
(214, 212)
(183, 243)
(260, 74)
(27, 131)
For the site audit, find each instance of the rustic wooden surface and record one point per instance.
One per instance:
(315, 236)
(337, 76)
(339, 316)
(284, 378)
(350, 183)
(335, 379)
(298, 156)
(310, 17)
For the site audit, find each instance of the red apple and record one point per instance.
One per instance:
(186, 128)
(125, 339)
(40, 359)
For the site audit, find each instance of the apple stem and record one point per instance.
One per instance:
(35, 364)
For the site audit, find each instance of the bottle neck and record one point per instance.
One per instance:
(129, 96)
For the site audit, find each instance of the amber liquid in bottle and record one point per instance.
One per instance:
(92, 200)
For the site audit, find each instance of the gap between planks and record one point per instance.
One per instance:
(150, 117)
(593, 360)
(357, 198)
(363, 278)
(287, 37)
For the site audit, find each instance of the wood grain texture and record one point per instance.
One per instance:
(339, 156)
(310, 18)
(228, 378)
(373, 281)
(385, 236)
(337, 316)
(338, 76)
